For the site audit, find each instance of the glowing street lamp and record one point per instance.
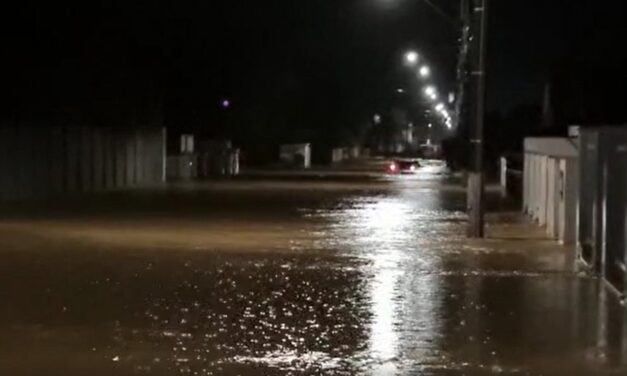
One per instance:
(376, 119)
(424, 71)
(411, 57)
(430, 91)
(476, 183)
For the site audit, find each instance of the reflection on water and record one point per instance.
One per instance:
(377, 282)
(379, 226)
(384, 223)
(381, 230)
(387, 231)
(383, 338)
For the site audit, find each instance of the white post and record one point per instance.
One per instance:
(503, 176)
(526, 172)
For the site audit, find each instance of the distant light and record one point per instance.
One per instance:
(424, 71)
(411, 57)
(400, 91)
(377, 119)
(226, 103)
(451, 97)
(433, 97)
(439, 107)
(430, 125)
(430, 91)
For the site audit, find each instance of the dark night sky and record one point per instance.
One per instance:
(311, 65)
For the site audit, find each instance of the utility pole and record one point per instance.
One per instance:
(462, 66)
(476, 182)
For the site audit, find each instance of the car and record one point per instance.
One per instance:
(403, 166)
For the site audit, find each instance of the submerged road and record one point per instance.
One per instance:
(289, 277)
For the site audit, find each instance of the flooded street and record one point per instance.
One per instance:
(279, 277)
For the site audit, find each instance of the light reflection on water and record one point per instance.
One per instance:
(383, 341)
(385, 231)
(378, 228)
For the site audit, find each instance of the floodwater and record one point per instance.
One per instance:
(272, 277)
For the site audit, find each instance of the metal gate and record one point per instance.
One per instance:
(589, 199)
(615, 206)
(603, 203)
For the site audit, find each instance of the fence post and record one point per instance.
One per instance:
(504, 176)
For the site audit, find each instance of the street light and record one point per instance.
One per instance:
(424, 71)
(376, 119)
(430, 91)
(475, 28)
(411, 57)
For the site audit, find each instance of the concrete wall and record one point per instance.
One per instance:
(45, 161)
(553, 146)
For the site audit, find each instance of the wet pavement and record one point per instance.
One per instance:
(308, 277)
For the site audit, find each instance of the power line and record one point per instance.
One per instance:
(441, 12)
